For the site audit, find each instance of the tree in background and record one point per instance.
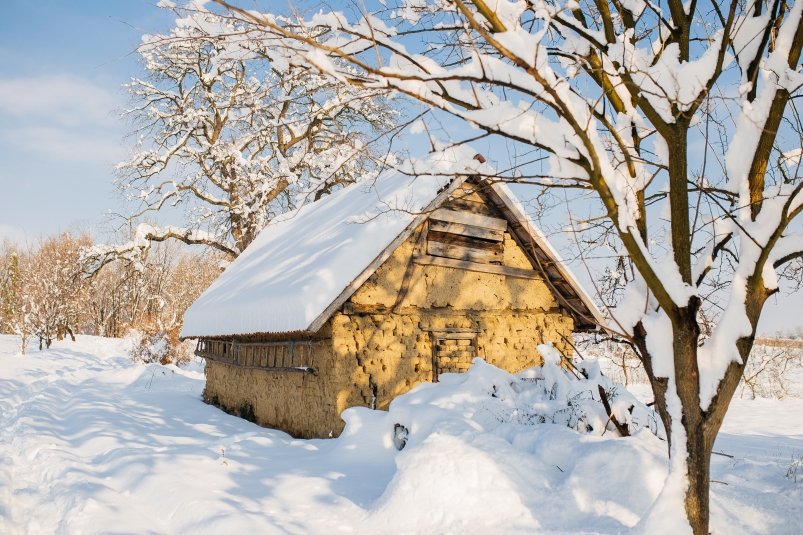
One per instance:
(233, 142)
(56, 287)
(677, 119)
(168, 283)
(43, 289)
(146, 297)
(14, 312)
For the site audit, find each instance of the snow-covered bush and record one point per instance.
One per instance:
(154, 345)
(493, 400)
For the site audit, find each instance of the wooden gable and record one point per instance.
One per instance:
(467, 232)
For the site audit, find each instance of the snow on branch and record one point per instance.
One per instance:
(235, 138)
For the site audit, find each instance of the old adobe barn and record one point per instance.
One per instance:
(360, 296)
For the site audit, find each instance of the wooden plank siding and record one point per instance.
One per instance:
(467, 236)
(466, 218)
(461, 252)
(275, 356)
(472, 206)
(465, 241)
(466, 230)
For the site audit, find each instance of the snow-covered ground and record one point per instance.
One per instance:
(93, 443)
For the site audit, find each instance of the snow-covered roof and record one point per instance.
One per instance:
(298, 270)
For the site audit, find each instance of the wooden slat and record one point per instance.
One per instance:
(456, 336)
(465, 218)
(467, 354)
(429, 260)
(473, 207)
(324, 316)
(360, 308)
(454, 354)
(464, 194)
(462, 252)
(466, 230)
(299, 369)
(465, 241)
(455, 345)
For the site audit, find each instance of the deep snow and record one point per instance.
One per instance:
(93, 443)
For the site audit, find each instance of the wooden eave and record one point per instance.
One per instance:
(282, 336)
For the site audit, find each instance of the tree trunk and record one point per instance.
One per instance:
(698, 473)
(698, 442)
(700, 428)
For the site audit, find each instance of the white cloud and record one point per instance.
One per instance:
(61, 144)
(63, 99)
(59, 118)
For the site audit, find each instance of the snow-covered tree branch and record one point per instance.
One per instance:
(679, 117)
(230, 140)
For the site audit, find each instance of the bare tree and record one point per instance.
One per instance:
(55, 287)
(766, 374)
(14, 308)
(233, 142)
(147, 292)
(618, 95)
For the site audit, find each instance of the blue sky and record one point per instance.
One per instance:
(63, 65)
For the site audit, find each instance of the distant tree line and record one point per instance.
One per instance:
(52, 290)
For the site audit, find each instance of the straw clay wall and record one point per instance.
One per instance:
(299, 403)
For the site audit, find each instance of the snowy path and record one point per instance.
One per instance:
(90, 443)
(91, 446)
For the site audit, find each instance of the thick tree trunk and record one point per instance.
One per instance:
(699, 428)
(698, 473)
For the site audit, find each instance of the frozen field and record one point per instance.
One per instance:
(93, 443)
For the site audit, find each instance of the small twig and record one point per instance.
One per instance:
(720, 482)
(723, 454)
